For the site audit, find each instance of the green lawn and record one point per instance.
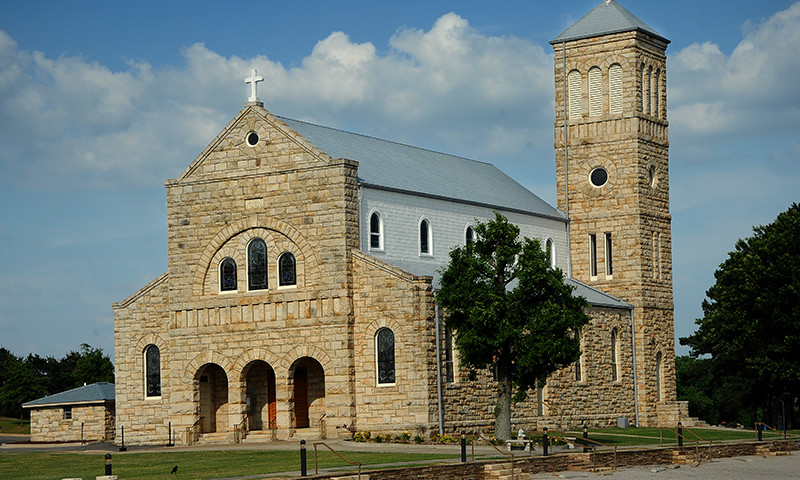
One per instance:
(191, 465)
(625, 437)
(12, 425)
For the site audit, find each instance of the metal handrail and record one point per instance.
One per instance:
(509, 454)
(240, 430)
(316, 467)
(594, 449)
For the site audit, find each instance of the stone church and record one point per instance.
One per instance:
(299, 295)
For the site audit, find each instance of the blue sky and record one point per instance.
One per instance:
(101, 102)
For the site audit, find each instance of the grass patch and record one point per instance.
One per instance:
(191, 465)
(633, 436)
(12, 425)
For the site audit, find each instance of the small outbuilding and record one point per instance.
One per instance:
(84, 413)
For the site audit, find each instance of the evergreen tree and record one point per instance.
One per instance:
(751, 319)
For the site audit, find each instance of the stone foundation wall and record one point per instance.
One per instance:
(49, 425)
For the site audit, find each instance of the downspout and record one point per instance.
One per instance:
(635, 378)
(438, 369)
(566, 158)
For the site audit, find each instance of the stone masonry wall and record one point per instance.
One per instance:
(633, 206)
(297, 199)
(386, 297)
(49, 425)
(595, 400)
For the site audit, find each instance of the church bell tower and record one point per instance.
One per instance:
(613, 181)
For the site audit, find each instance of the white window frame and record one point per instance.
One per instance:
(219, 276)
(574, 95)
(595, 92)
(377, 359)
(608, 261)
(593, 256)
(550, 249)
(381, 231)
(429, 253)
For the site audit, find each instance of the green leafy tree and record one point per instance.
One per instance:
(751, 319)
(511, 311)
(19, 384)
(92, 366)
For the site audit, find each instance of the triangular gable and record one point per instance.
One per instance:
(275, 138)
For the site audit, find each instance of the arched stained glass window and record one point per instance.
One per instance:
(227, 275)
(658, 376)
(469, 235)
(287, 270)
(257, 264)
(424, 237)
(375, 232)
(152, 369)
(550, 251)
(384, 341)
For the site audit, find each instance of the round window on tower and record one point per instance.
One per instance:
(598, 177)
(252, 139)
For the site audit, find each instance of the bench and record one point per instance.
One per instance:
(519, 444)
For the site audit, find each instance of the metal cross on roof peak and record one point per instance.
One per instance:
(253, 80)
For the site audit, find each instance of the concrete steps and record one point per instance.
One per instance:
(259, 436)
(215, 438)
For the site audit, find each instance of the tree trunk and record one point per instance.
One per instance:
(502, 421)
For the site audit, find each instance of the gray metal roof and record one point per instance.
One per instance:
(394, 166)
(94, 393)
(596, 297)
(607, 18)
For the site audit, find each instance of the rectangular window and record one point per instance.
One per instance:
(609, 261)
(593, 255)
(68, 413)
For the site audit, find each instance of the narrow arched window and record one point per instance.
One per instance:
(469, 235)
(227, 275)
(615, 89)
(287, 270)
(658, 376)
(656, 93)
(375, 232)
(648, 92)
(614, 356)
(425, 237)
(550, 251)
(574, 94)
(257, 264)
(384, 346)
(595, 92)
(152, 369)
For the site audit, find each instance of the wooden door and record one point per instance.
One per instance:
(301, 398)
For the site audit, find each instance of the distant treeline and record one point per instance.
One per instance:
(32, 377)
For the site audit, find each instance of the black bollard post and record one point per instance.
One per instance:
(122, 447)
(680, 434)
(303, 469)
(545, 442)
(463, 447)
(759, 428)
(586, 439)
(108, 464)
(169, 436)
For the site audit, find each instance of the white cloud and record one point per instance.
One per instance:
(751, 91)
(75, 122)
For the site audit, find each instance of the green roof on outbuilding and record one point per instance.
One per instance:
(94, 393)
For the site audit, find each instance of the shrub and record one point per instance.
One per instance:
(361, 436)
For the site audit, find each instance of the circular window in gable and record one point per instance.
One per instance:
(252, 139)
(598, 176)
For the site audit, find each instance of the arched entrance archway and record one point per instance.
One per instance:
(211, 383)
(308, 392)
(259, 384)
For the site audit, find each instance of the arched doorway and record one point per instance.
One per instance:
(308, 392)
(212, 388)
(259, 384)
